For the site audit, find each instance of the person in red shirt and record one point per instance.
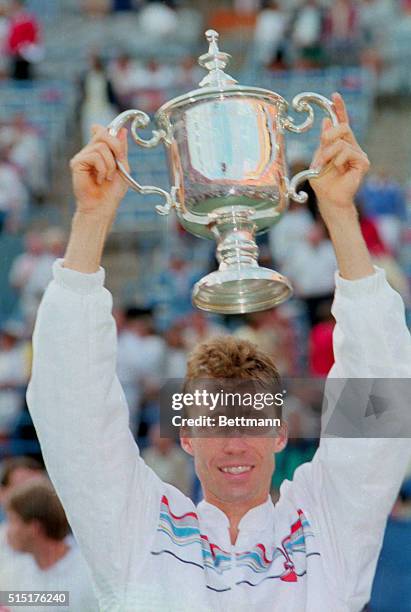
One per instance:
(24, 41)
(320, 351)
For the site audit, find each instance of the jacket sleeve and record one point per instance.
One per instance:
(352, 482)
(111, 497)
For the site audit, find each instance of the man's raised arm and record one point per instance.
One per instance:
(352, 482)
(74, 396)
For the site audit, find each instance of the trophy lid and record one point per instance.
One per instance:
(217, 82)
(215, 61)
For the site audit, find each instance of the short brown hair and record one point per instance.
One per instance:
(228, 357)
(36, 500)
(232, 365)
(8, 466)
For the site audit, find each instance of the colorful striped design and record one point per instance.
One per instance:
(183, 530)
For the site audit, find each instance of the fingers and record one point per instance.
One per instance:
(327, 154)
(341, 153)
(107, 157)
(330, 133)
(124, 142)
(342, 131)
(340, 108)
(100, 156)
(116, 145)
(90, 162)
(353, 158)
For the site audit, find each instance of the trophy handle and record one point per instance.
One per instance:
(141, 120)
(300, 103)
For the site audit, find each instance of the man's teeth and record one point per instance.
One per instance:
(238, 469)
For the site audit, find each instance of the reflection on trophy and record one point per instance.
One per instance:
(226, 157)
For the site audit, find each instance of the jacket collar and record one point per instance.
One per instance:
(257, 520)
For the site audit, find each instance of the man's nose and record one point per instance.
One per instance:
(235, 445)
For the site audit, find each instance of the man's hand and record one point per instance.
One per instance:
(347, 164)
(97, 183)
(98, 188)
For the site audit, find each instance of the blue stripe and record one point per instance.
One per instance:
(169, 552)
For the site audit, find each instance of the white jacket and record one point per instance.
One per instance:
(148, 546)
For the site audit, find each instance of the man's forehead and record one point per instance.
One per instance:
(21, 474)
(230, 385)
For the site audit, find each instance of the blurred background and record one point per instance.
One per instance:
(65, 64)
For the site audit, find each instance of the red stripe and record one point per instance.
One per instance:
(164, 500)
(296, 526)
(213, 546)
(262, 548)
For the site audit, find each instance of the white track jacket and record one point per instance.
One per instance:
(149, 548)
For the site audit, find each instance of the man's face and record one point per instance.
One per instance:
(21, 536)
(235, 469)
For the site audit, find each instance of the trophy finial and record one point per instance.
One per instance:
(212, 36)
(215, 61)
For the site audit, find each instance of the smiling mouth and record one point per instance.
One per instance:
(236, 469)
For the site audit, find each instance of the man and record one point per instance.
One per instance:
(148, 546)
(24, 41)
(15, 471)
(37, 526)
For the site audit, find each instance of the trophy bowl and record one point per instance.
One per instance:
(226, 157)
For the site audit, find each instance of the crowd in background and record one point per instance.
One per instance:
(298, 335)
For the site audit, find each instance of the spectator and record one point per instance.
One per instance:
(176, 352)
(24, 41)
(125, 76)
(188, 74)
(24, 265)
(342, 32)
(28, 154)
(383, 200)
(15, 471)
(37, 526)
(140, 359)
(99, 100)
(14, 374)
(200, 327)
(269, 33)
(371, 235)
(4, 29)
(383, 257)
(320, 344)
(289, 231)
(168, 461)
(54, 245)
(175, 284)
(14, 197)
(269, 331)
(151, 92)
(307, 34)
(158, 21)
(311, 266)
(372, 14)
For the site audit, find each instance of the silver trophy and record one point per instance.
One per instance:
(228, 171)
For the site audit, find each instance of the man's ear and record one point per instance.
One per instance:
(186, 442)
(36, 528)
(281, 439)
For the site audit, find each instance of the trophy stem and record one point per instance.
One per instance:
(235, 241)
(239, 285)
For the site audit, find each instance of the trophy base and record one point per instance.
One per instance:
(240, 290)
